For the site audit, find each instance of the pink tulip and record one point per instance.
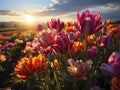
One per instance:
(92, 52)
(78, 68)
(39, 27)
(104, 41)
(88, 23)
(114, 58)
(55, 24)
(35, 47)
(62, 43)
(113, 66)
(45, 38)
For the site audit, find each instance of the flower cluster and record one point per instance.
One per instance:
(30, 66)
(63, 56)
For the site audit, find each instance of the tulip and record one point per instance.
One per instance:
(55, 24)
(78, 47)
(2, 37)
(2, 58)
(78, 68)
(55, 64)
(104, 41)
(35, 47)
(70, 27)
(0, 46)
(117, 36)
(74, 36)
(92, 52)
(112, 30)
(18, 41)
(62, 43)
(45, 38)
(88, 23)
(31, 66)
(39, 27)
(113, 66)
(91, 40)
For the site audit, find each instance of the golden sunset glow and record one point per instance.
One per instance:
(29, 19)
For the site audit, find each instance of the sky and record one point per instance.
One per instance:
(45, 10)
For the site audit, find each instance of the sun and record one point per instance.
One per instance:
(29, 19)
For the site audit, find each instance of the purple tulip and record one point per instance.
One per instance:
(92, 52)
(113, 66)
(104, 41)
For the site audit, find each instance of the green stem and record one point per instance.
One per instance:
(75, 87)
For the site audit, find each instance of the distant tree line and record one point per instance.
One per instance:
(4, 25)
(115, 22)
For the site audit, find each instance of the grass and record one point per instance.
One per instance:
(16, 29)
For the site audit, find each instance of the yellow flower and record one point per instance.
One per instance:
(91, 39)
(78, 47)
(111, 30)
(70, 27)
(18, 41)
(2, 58)
(55, 64)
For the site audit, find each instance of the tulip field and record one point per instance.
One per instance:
(80, 55)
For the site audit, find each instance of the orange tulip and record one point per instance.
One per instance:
(0, 46)
(112, 30)
(78, 47)
(2, 58)
(30, 66)
(70, 27)
(91, 40)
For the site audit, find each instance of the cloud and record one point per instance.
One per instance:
(9, 12)
(68, 8)
(110, 7)
(64, 7)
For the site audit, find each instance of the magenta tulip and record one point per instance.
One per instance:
(92, 52)
(62, 43)
(113, 66)
(39, 27)
(55, 24)
(88, 22)
(104, 41)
